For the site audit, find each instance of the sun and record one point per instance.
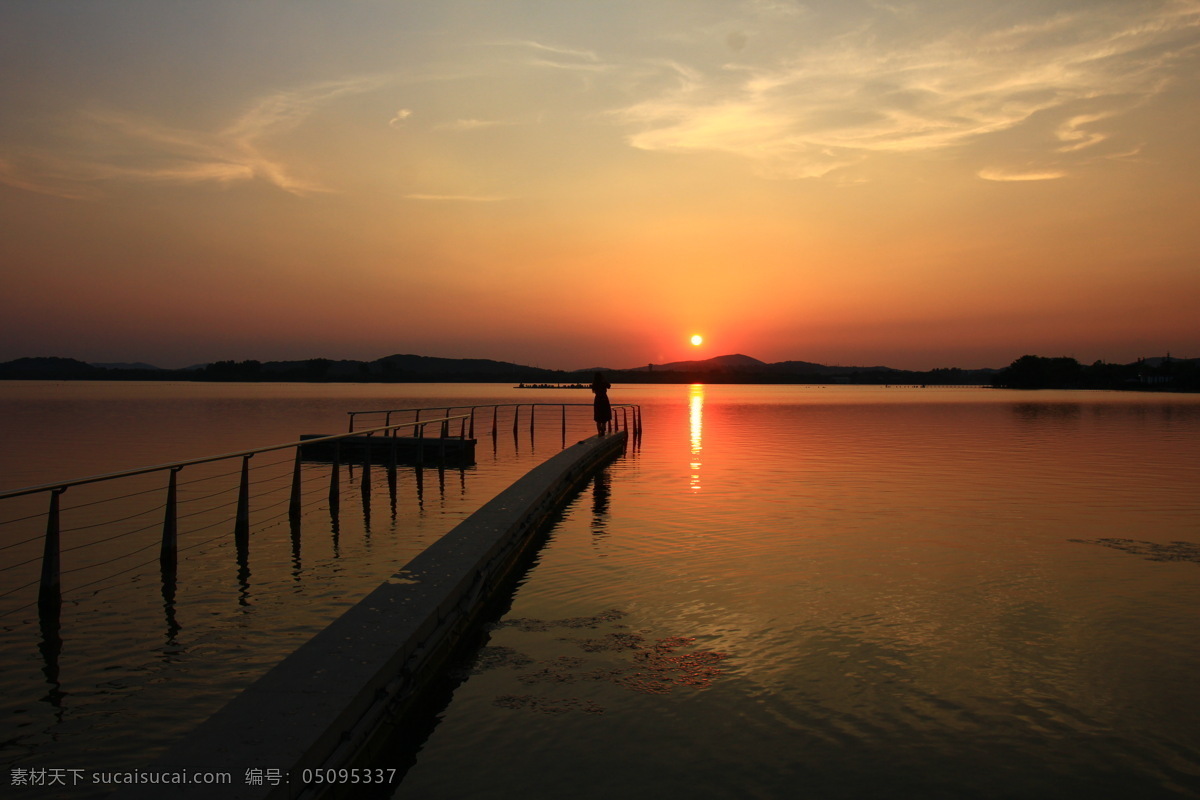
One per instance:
(697, 340)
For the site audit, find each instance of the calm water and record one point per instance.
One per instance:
(135, 668)
(785, 591)
(848, 593)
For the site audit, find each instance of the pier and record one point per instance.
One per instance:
(366, 665)
(321, 708)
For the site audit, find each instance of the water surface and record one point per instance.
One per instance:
(845, 593)
(130, 666)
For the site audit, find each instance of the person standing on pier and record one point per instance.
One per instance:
(601, 410)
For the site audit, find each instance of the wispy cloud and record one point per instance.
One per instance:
(459, 125)
(457, 198)
(1007, 176)
(553, 55)
(872, 90)
(400, 117)
(1073, 135)
(116, 146)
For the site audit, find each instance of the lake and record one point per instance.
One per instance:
(848, 593)
(780, 592)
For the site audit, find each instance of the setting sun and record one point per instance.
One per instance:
(697, 339)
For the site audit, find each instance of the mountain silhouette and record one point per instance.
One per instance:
(1025, 372)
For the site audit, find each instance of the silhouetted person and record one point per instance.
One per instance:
(601, 410)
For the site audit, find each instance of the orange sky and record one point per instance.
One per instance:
(586, 184)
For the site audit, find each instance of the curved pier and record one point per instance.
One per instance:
(321, 705)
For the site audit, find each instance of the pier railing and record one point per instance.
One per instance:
(49, 593)
(626, 416)
(134, 506)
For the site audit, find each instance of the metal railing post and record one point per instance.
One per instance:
(241, 530)
(168, 554)
(365, 480)
(335, 481)
(295, 501)
(50, 591)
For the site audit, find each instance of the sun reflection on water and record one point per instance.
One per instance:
(696, 417)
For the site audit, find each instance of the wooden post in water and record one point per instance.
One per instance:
(50, 591)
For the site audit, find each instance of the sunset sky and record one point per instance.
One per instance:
(573, 184)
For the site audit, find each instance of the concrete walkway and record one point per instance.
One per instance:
(321, 705)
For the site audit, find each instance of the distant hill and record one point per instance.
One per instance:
(124, 365)
(49, 368)
(460, 368)
(719, 363)
(738, 363)
(1027, 372)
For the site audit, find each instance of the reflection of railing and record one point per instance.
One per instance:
(49, 585)
(628, 414)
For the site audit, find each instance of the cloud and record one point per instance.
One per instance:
(1075, 138)
(1005, 176)
(881, 87)
(559, 56)
(399, 118)
(471, 124)
(459, 198)
(35, 174)
(114, 146)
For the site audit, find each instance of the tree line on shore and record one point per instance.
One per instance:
(1038, 372)
(1026, 372)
